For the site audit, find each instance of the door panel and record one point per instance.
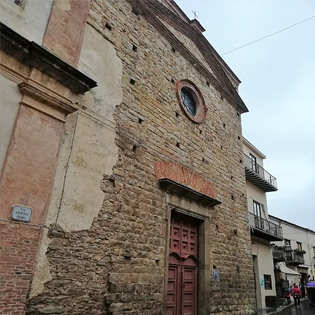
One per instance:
(189, 294)
(174, 275)
(183, 267)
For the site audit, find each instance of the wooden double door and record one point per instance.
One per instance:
(183, 266)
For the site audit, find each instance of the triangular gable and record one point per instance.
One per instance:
(189, 44)
(154, 12)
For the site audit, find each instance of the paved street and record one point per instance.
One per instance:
(304, 309)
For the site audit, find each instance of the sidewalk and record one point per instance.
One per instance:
(282, 310)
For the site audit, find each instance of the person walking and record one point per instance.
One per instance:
(287, 295)
(296, 293)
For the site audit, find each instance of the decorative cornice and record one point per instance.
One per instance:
(11, 74)
(48, 97)
(36, 56)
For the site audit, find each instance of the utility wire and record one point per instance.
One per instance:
(257, 40)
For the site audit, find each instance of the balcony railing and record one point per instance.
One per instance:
(265, 229)
(294, 259)
(259, 176)
(278, 254)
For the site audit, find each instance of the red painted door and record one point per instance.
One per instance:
(183, 267)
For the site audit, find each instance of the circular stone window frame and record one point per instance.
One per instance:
(201, 109)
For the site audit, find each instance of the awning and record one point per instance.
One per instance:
(289, 271)
(303, 269)
(303, 266)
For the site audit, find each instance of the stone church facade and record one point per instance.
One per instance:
(136, 186)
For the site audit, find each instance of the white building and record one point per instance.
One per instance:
(263, 231)
(299, 249)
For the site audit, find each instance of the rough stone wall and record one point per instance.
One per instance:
(189, 44)
(118, 265)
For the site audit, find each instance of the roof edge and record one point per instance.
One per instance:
(290, 223)
(253, 148)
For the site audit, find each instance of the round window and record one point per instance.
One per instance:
(188, 100)
(191, 101)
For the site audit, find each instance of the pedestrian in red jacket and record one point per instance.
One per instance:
(296, 293)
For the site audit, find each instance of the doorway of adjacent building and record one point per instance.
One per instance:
(259, 301)
(182, 288)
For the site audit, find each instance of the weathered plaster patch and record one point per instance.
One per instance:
(99, 60)
(42, 273)
(93, 155)
(94, 151)
(64, 5)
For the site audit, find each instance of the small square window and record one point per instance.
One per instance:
(108, 27)
(18, 2)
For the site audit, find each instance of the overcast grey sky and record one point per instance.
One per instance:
(278, 87)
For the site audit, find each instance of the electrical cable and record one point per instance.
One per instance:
(67, 166)
(257, 40)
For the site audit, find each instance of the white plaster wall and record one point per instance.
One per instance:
(264, 265)
(254, 193)
(295, 235)
(310, 254)
(10, 97)
(248, 150)
(30, 20)
(91, 156)
(99, 61)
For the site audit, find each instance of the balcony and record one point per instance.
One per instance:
(258, 176)
(294, 259)
(265, 229)
(278, 254)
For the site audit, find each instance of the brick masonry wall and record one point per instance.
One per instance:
(118, 265)
(19, 244)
